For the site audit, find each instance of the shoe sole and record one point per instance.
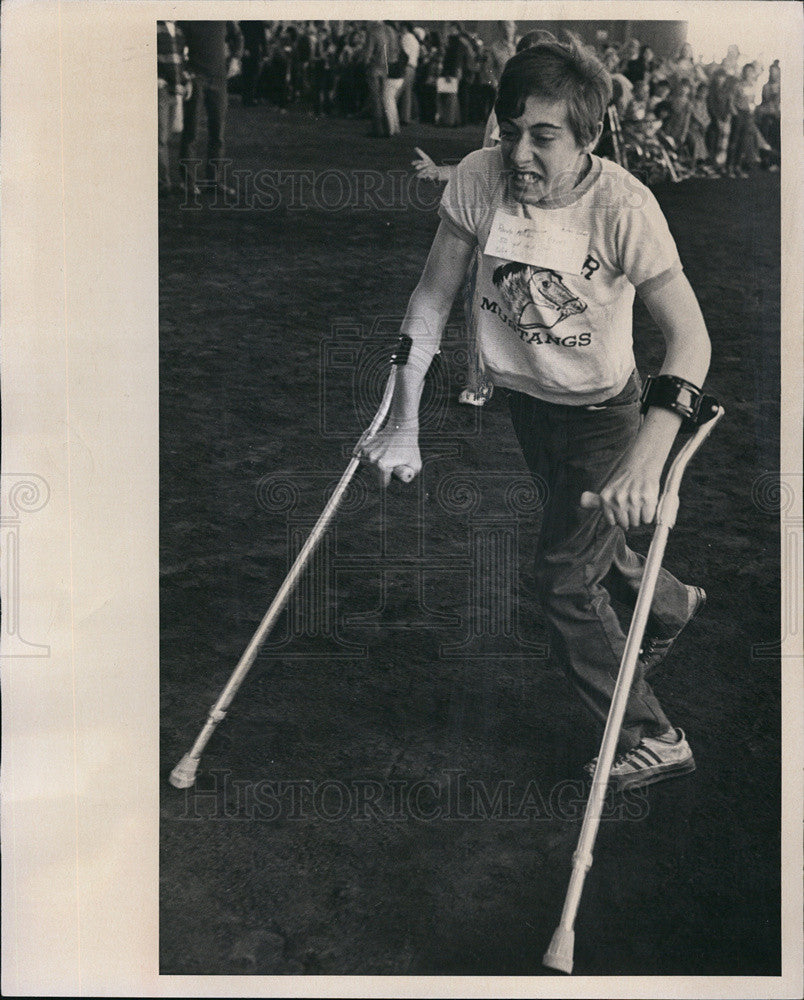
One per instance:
(641, 780)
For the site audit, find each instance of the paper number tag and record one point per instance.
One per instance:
(542, 243)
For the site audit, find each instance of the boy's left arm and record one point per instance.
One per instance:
(630, 495)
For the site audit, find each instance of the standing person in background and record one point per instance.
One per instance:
(411, 47)
(622, 88)
(632, 65)
(352, 83)
(684, 67)
(486, 85)
(375, 56)
(743, 152)
(209, 70)
(678, 122)
(452, 68)
(696, 137)
(430, 58)
(501, 50)
(300, 62)
(255, 48)
(769, 112)
(169, 61)
(643, 67)
(470, 65)
(394, 78)
(718, 104)
(731, 62)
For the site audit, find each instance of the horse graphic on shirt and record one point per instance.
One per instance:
(537, 297)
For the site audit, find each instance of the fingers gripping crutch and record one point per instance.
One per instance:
(183, 774)
(560, 953)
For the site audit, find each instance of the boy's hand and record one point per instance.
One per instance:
(392, 451)
(630, 495)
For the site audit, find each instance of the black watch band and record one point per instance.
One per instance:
(682, 397)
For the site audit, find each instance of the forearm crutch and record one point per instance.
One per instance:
(183, 774)
(560, 953)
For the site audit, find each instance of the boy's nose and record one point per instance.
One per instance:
(522, 153)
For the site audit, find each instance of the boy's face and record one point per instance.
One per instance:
(540, 151)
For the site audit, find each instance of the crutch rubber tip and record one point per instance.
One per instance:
(559, 955)
(183, 774)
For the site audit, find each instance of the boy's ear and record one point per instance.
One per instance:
(596, 140)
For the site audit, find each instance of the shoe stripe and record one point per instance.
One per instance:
(647, 750)
(639, 754)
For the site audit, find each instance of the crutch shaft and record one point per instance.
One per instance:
(218, 710)
(555, 956)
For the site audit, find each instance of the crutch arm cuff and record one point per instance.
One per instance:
(669, 392)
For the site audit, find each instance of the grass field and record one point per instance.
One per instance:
(345, 819)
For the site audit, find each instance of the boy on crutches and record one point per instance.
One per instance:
(566, 239)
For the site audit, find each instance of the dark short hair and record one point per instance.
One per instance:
(557, 70)
(535, 37)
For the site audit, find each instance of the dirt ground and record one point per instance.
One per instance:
(397, 787)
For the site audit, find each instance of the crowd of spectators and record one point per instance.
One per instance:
(717, 118)
(713, 119)
(446, 77)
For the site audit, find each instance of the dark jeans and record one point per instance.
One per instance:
(213, 96)
(581, 562)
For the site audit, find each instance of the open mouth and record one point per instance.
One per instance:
(525, 176)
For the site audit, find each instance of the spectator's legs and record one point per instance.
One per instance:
(215, 101)
(743, 144)
(376, 79)
(724, 128)
(463, 102)
(251, 67)
(448, 110)
(390, 93)
(164, 116)
(406, 96)
(427, 103)
(192, 111)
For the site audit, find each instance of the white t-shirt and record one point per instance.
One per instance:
(410, 44)
(560, 327)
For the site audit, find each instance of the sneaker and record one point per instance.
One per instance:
(470, 398)
(477, 397)
(656, 647)
(651, 760)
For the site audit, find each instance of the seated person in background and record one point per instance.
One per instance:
(637, 110)
(678, 121)
(696, 137)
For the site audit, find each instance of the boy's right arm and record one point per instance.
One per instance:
(395, 449)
